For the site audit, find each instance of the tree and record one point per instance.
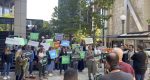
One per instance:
(77, 16)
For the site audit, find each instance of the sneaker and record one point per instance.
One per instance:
(4, 77)
(50, 74)
(8, 77)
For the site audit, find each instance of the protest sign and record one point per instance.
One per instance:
(82, 54)
(53, 54)
(49, 42)
(59, 36)
(88, 40)
(45, 45)
(65, 43)
(11, 41)
(33, 43)
(34, 36)
(65, 59)
(21, 41)
(75, 45)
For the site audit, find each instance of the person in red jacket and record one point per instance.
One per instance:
(123, 66)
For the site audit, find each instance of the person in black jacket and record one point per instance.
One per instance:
(7, 61)
(140, 63)
(63, 66)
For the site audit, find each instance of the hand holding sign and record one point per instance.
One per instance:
(53, 54)
(82, 54)
(65, 60)
(65, 43)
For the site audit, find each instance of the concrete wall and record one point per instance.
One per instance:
(142, 9)
(20, 17)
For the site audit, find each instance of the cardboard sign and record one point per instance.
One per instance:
(11, 41)
(53, 54)
(65, 43)
(34, 36)
(75, 45)
(45, 45)
(82, 54)
(88, 40)
(65, 60)
(59, 36)
(33, 43)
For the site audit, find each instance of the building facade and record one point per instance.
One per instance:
(141, 10)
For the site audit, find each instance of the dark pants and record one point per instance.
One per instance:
(81, 65)
(20, 76)
(63, 67)
(139, 76)
(30, 67)
(41, 70)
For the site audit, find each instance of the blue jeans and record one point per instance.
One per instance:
(30, 67)
(50, 67)
(139, 76)
(6, 69)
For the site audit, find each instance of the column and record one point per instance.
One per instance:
(20, 18)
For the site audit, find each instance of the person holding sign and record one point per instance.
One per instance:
(91, 63)
(42, 61)
(61, 59)
(51, 54)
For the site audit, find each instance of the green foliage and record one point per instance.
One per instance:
(77, 15)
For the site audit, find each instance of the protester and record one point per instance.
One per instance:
(62, 66)
(71, 74)
(130, 54)
(140, 60)
(123, 66)
(91, 63)
(25, 65)
(31, 58)
(7, 61)
(51, 62)
(42, 61)
(19, 65)
(81, 63)
(112, 60)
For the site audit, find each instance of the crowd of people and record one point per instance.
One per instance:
(122, 63)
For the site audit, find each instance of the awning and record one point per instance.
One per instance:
(136, 35)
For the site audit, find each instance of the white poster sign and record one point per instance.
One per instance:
(33, 43)
(45, 45)
(48, 40)
(11, 41)
(88, 40)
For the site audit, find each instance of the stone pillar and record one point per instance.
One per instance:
(20, 18)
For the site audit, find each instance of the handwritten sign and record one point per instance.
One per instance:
(45, 45)
(88, 40)
(11, 41)
(75, 45)
(59, 36)
(33, 43)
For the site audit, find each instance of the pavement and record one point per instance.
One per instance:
(81, 75)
